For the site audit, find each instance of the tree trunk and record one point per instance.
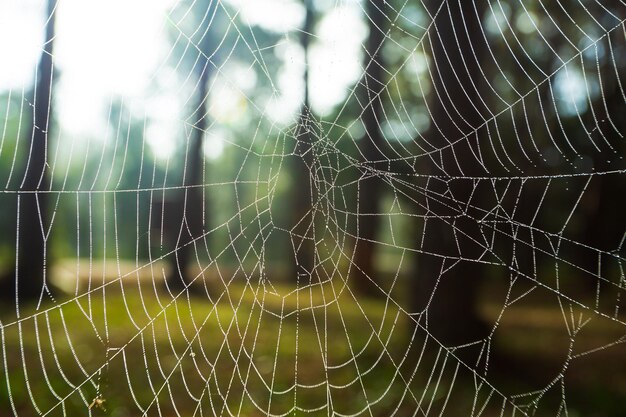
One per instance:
(304, 183)
(445, 287)
(603, 205)
(190, 237)
(29, 282)
(363, 274)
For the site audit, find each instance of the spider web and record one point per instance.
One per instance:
(246, 335)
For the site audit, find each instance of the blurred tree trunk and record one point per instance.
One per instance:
(304, 183)
(363, 273)
(445, 286)
(191, 203)
(32, 205)
(604, 203)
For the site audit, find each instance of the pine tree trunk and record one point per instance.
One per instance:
(302, 237)
(32, 261)
(191, 235)
(363, 273)
(445, 287)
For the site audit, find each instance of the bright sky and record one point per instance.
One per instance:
(112, 48)
(20, 41)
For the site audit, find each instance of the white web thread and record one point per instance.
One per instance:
(396, 184)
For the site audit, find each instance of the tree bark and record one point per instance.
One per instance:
(29, 280)
(363, 273)
(191, 233)
(603, 206)
(302, 237)
(445, 287)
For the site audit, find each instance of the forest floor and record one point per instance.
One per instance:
(243, 350)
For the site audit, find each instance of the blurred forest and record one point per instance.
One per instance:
(468, 180)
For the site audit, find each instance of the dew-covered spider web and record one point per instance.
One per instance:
(338, 207)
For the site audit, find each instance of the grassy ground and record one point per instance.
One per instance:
(257, 347)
